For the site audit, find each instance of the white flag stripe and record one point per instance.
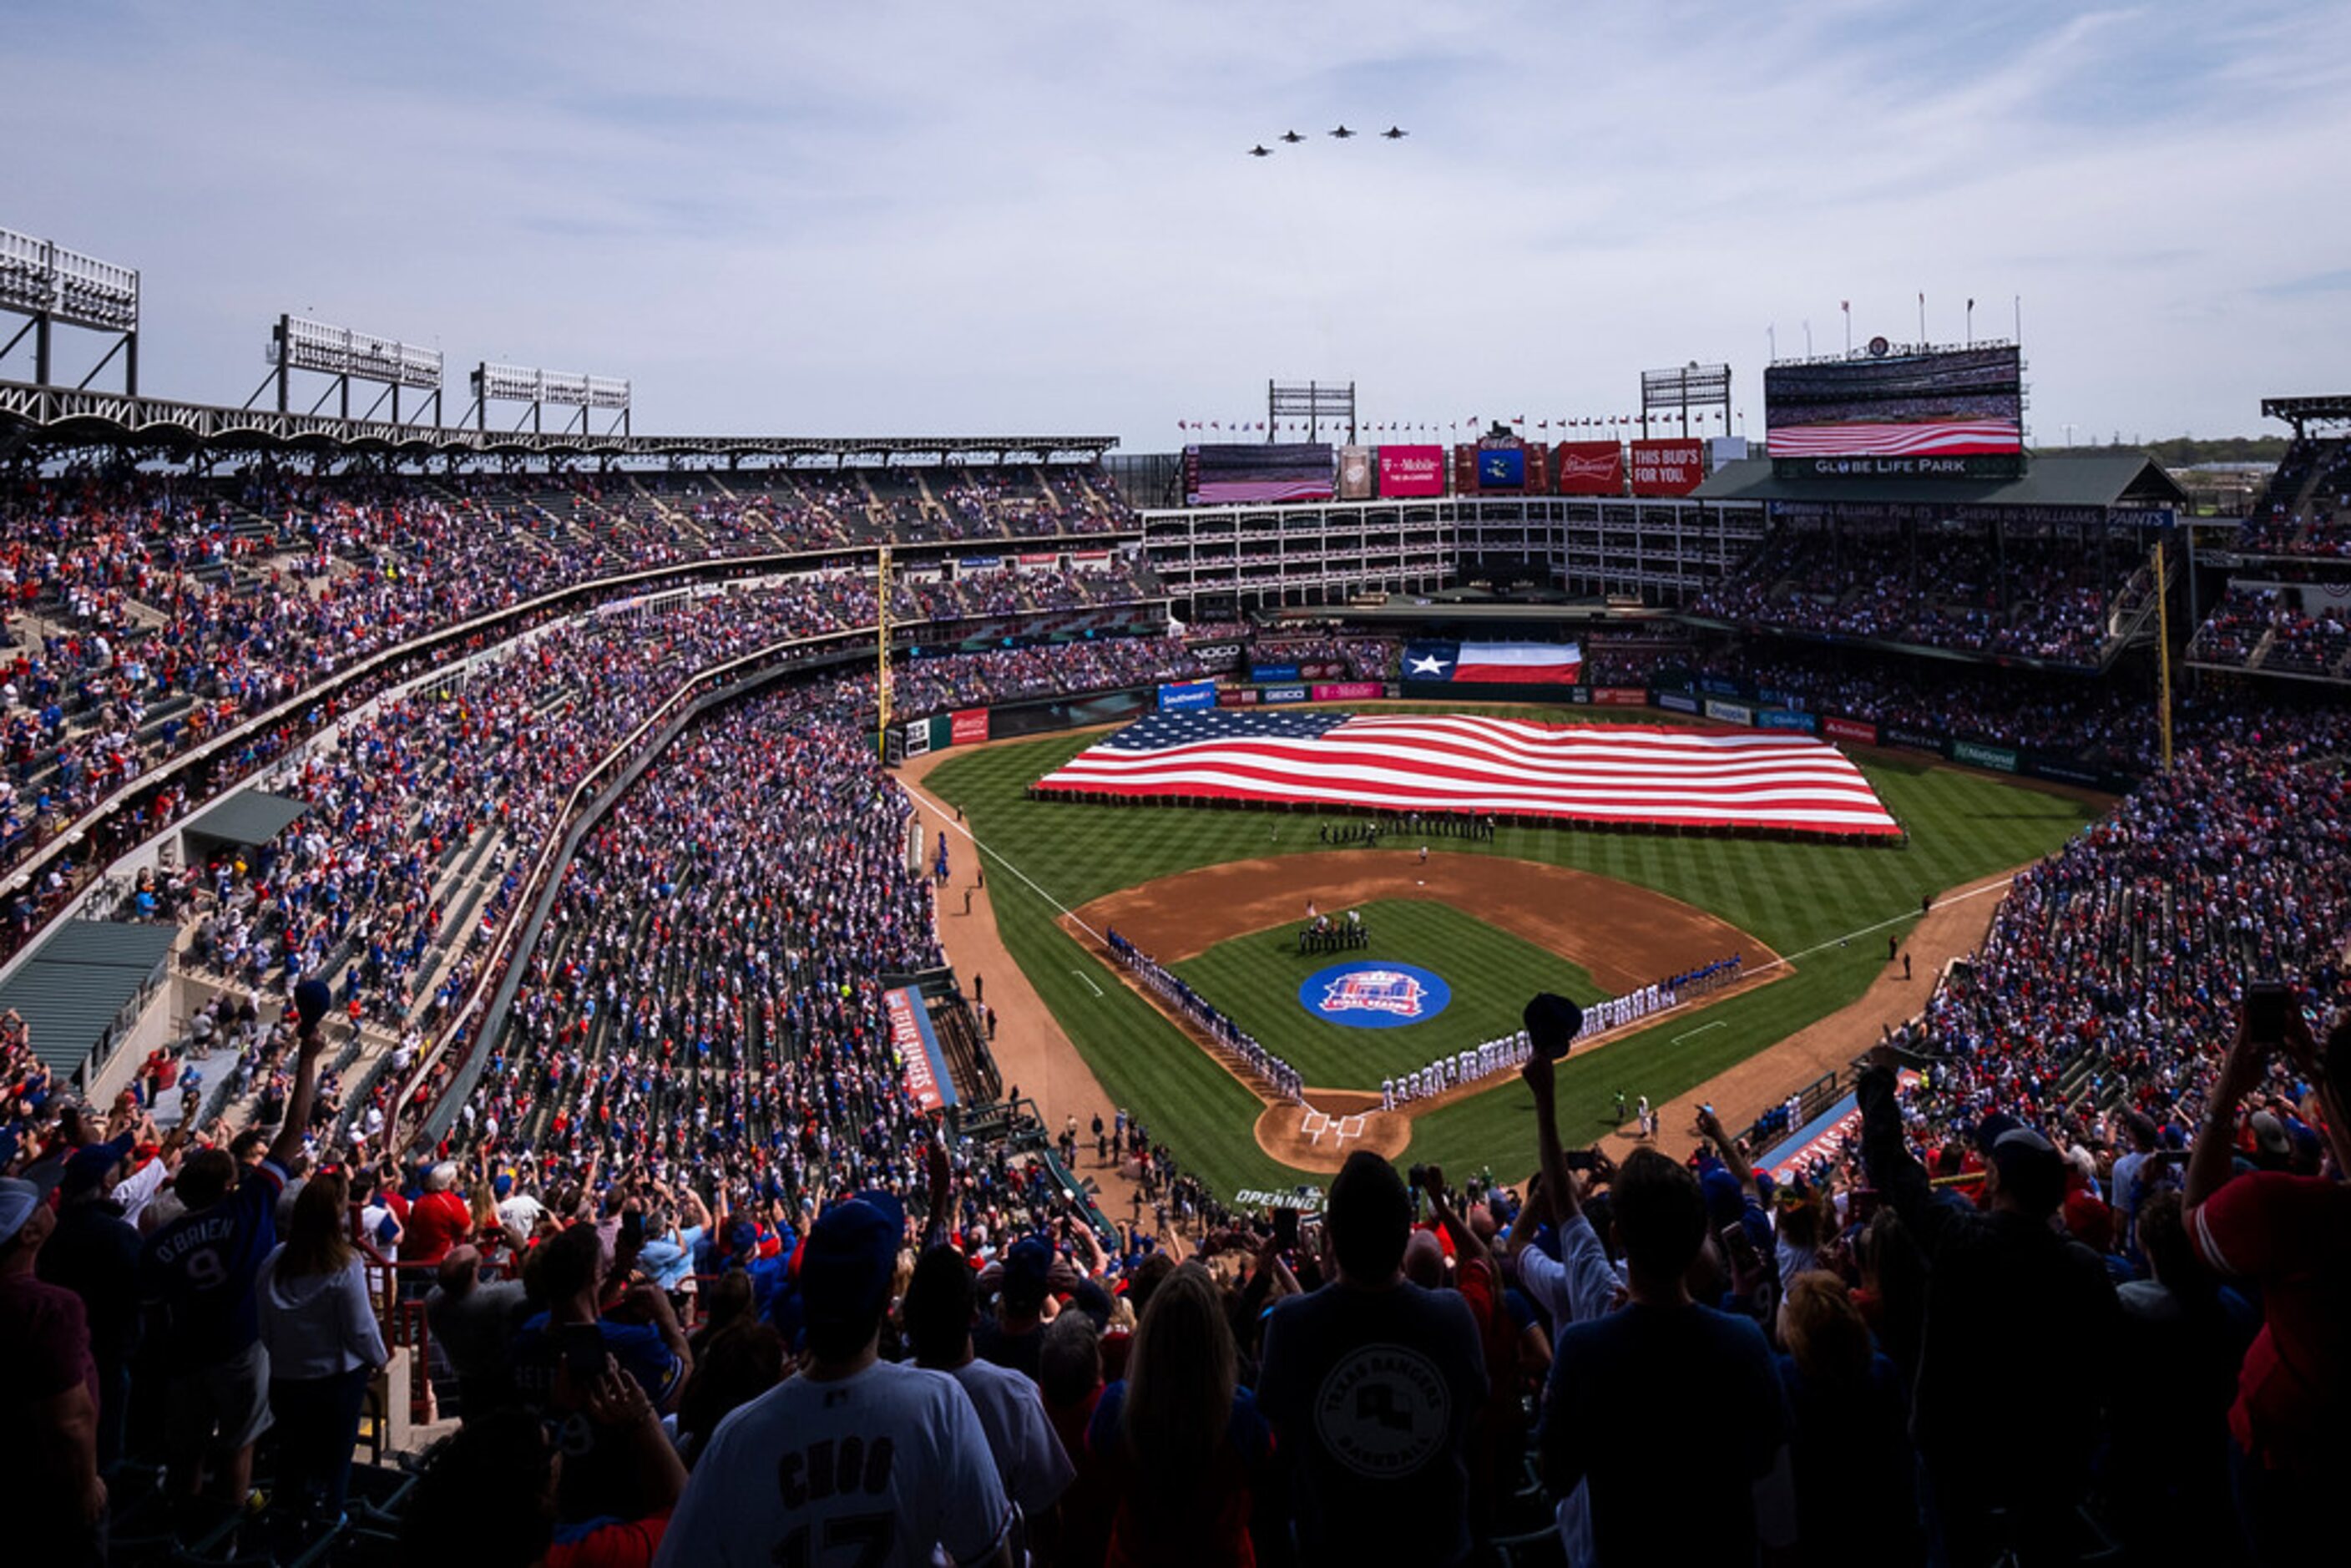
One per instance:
(1526, 654)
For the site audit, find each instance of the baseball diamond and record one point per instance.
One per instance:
(1616, 912)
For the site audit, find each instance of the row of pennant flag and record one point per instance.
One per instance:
(1473, 423)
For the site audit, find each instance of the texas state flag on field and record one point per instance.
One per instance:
(1495, 663)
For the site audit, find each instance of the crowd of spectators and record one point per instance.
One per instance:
(2300, 629)
(151, 612)
(710, 1288)
(2038, 598)
(2306, 510)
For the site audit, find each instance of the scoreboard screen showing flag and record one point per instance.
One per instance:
(1495, 663)
(1771, 782)
(1948, 403)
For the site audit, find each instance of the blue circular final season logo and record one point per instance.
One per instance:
(1373, 994)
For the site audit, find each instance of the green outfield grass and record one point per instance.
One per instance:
(1046, 856)
(1491, 974)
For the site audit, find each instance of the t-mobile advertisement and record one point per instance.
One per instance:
(1406, 471)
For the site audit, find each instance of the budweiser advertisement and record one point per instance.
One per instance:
(1409, 471)
(969, 727)
(1591, 468)
(1667, 468)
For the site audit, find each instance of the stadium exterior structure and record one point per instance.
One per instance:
(1665, 551)
(52, 417)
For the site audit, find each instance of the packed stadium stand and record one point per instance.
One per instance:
(559, 787)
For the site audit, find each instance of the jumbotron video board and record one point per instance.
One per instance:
(1257, 473)
(1891, 411)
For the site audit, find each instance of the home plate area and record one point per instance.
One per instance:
(1320, 1135)
(1314, 1123)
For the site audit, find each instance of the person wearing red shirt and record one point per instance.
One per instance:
(438, 1220)
(2292, 1235)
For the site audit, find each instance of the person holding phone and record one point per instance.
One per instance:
(2292, 1235)
(560, 1355)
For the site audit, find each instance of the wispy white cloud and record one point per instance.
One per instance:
(1036, 214)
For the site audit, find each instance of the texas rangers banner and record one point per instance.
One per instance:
(927, 1078)
(1495, 663)
(1604, 773)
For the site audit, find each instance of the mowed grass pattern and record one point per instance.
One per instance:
(1255, 978)
(1045, 856)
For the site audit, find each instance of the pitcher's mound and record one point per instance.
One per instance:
(1320, 1136)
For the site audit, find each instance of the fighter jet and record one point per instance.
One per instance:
(1395, 133)
(1260, 150)
(1292, 137)
(1342, 133)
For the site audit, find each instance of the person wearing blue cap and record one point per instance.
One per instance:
(856, 1457)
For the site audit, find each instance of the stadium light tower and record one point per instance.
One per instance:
(1314, 401)
(564, 388)
(51, 287)
(343, 356)
(1687, 387)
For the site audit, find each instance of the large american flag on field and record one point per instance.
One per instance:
(1590, 773)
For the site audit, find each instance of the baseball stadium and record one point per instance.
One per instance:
(579, 985)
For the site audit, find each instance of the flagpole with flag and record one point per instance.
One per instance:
(1846, 306)
(1922, 318)
(1971, 323)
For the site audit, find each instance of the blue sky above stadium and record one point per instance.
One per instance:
(895, 217)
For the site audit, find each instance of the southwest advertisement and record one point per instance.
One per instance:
(1188, 694)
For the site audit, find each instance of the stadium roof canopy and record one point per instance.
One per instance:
(247, 819)
(67, 416)
(2100, 479)
(83, 983)
(2301, 410)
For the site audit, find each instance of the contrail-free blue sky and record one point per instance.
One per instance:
(897, 218)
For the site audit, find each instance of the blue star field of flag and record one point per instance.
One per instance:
(1161, 730)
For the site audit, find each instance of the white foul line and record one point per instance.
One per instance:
(1880, 926)
(1700, 1030)
(946, 822)
(1082, 974)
